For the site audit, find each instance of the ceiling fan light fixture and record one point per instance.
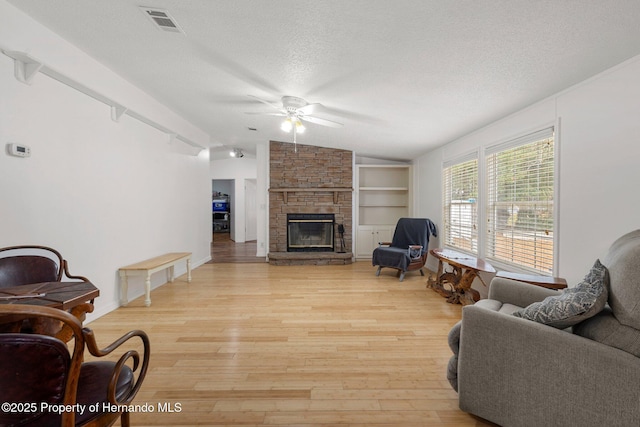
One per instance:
(287, 125)
(300, 127)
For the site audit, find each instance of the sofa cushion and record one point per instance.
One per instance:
(573, 305)
(605, 328)
(454, 336)
(624, 275)
(499, 306)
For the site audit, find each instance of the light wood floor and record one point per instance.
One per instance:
(261, 345)
(223, 250)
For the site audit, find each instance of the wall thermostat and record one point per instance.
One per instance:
(19, 150)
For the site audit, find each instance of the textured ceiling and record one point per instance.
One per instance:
(404, 76)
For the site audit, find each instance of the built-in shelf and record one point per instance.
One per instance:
(26, 68)
(334, 190)
(383, 196)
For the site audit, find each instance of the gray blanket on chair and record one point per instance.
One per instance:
(409, 231)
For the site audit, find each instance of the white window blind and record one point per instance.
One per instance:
(460, 195)
(520, 202)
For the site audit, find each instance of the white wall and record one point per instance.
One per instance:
(262, 198)
(599, 148)
(104, 193)
(237, 169)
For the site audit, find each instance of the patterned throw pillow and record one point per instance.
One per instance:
(573, 305)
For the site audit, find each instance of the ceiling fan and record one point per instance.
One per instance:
(296, 110)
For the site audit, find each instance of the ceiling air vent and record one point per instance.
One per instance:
(162, 19)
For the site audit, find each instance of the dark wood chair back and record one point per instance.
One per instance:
(22, 265)
(22, 270)
(21, 365)
(37, 368)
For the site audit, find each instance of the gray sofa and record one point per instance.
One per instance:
(517, 372)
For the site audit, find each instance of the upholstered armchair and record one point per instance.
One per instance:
(45, 382)
(408, 249)
(530, 356)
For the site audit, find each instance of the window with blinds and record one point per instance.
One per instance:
(520, 196)
(460, 193)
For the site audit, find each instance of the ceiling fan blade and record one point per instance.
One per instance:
(267, 114)
(346, 114)
(323, 122)
(310, 108)
(232, 68)
(277, 107)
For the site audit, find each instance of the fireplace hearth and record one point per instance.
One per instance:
(310, 232)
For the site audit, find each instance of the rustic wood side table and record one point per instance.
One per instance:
(455, 285)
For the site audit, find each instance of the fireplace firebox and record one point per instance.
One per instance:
(310, 232)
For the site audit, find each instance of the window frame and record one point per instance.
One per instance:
(472, 201)
(481, 154)
(529, 241)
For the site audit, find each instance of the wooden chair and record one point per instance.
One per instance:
(25, 264)
(43, 372)
(408, 249)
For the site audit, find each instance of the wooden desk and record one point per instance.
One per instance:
(455, 285)
(147, 268)
(74, 297)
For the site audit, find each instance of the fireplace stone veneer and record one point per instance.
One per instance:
(309, 180)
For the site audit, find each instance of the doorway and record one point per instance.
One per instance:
(222, 206)
(234, 225)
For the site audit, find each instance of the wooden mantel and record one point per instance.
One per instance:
(334, 190)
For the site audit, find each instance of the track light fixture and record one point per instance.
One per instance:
(236, 152)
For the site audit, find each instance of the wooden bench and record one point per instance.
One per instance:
(147, 268)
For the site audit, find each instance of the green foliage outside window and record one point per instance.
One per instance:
(524, 177)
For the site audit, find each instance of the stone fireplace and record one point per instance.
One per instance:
(306, 183)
